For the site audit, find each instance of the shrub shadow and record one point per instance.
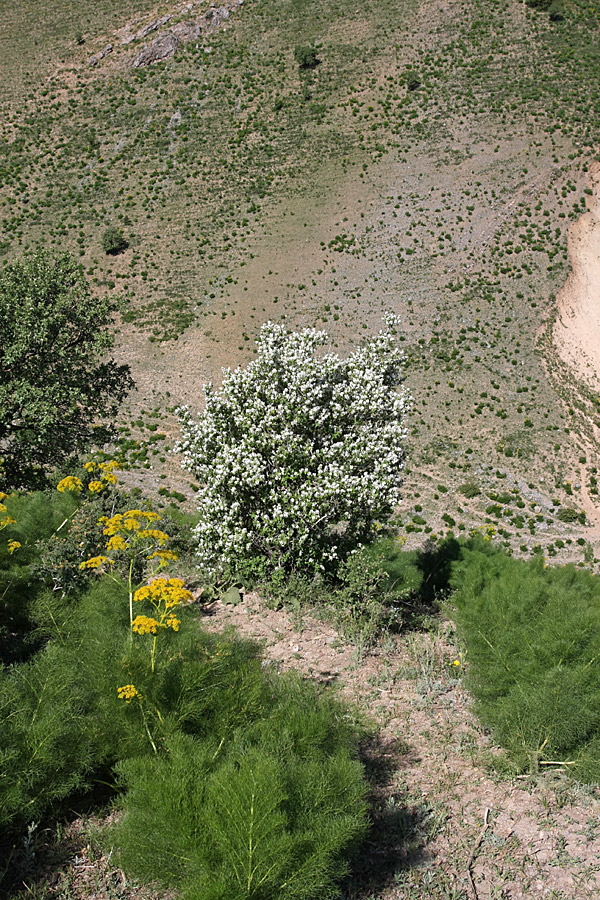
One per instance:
(396, 840)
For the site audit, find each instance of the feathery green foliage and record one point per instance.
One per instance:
(532, 638)
(237, 782)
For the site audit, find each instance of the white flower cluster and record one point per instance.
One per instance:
(298, 454)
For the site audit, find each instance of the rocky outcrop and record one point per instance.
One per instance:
(194, 20)
(162, 48)
(153, 26)
(94, 60)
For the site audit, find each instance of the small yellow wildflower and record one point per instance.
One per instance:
(145, 625)
(173, 622)
(163, 554)
(116, 542)
(3, 496)
(7, 520)
(154, 533)
(128, 693)
(70, 483)
(90, 466)
(95, 487)
(456, 662)
(12, 546)
(95, 562)
(169, 591)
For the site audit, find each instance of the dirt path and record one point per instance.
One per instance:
(577, 328)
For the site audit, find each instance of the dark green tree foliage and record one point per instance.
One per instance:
(37, 517)
(55, 379)
(114, 241)
(306, 56)
(532, 639)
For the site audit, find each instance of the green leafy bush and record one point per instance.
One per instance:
(306, 56)
(55, 379)
(272, 814)
(374, 591)
(113, 241)
(532, 639)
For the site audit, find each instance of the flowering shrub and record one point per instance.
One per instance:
(299, 455)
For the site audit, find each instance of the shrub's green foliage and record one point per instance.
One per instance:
(375, 586)
(113, 241)
(269, 815)
(240, 782)
(306, 56)
(55, 381)
(37, 516)
(532, 637)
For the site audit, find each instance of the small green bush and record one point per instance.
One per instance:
(306, 56)
(113, 241)
(470, 489)
(532, 639)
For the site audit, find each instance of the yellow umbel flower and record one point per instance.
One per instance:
(94, 487)
(128, 693)
(165, 555)
(170, 591)
(12, 546)
(70, 483)
(146, 625)
(173, 622)
(116, 542)
(95, 562)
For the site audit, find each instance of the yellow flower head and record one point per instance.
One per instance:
(456, 662)
(145, 625)
(173, 622)
(7, 520)
(70, 483)
(95, 562)
(116, 542)
(164, 555)
(3, 496)
(167, 591)
(95, 486)
(12, 546)
(155, 533)
(90, 466)
(128, 693)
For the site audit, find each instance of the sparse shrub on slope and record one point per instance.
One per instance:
(532, 639)
(298, 455)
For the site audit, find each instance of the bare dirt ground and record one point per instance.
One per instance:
(577, 327)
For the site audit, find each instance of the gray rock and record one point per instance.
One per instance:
(186, 31)
(153, 26)
(93, 61)
(104, 53)
(161, 48)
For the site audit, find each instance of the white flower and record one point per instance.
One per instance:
(297, 454)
